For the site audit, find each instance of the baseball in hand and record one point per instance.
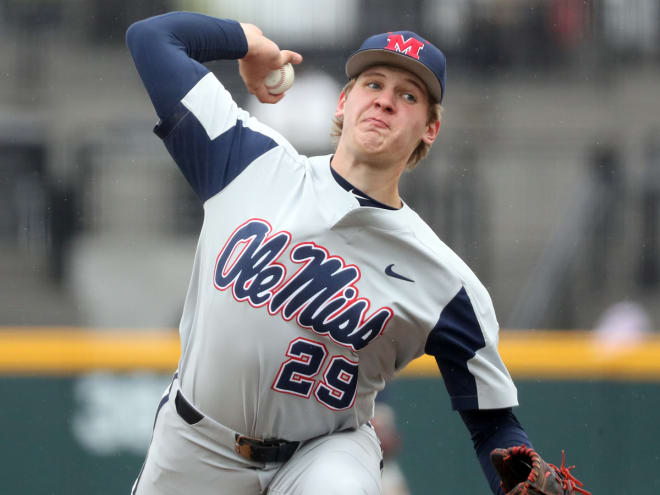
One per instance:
(279, 80)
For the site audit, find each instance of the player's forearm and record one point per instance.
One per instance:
(169, 50)
(492, 429)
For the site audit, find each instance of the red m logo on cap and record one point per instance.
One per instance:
(410, 47)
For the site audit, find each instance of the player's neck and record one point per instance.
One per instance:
(377, 181)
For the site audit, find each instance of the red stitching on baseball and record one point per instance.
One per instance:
(281, 69)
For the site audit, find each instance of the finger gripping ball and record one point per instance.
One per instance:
(279, 80)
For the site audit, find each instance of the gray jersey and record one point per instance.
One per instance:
(302, 302)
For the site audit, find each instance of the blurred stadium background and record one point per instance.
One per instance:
(545, 179)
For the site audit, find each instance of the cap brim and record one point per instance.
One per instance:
(368, 58)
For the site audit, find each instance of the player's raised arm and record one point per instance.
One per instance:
(210, 138)
(169, 50)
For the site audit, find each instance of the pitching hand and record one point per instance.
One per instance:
(263, 55)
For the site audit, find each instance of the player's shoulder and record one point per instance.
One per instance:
(447, 259)
(427, 237)
(215, 108)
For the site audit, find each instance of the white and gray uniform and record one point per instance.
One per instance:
(301, 305)
(291, 324)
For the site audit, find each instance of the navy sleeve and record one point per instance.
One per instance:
(453, 342)
(169, 50)
(491, 429)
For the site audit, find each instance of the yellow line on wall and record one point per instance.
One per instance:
(66, 351)
(527, 354)
(568, 355)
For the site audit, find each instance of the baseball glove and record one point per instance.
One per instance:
(523, 472)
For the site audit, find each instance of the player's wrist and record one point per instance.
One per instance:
(260, 49)
(251, 32)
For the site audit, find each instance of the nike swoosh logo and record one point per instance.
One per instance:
(392, 273)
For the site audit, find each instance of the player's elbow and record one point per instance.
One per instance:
(136, 34)
(143, 37)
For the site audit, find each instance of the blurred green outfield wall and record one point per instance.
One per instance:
(87, 434)
(609, 430)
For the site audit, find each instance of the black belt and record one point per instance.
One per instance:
(272, 450)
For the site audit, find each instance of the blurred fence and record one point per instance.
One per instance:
(538, 93)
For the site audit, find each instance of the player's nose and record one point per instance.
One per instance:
(385, 101)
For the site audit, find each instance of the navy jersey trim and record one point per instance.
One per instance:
(211, 165)
(362, 198)
(454, 340)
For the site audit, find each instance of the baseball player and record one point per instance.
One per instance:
(313, 282)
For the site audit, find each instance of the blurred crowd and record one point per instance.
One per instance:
(546, 177)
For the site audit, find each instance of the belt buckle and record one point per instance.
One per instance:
(257, 450)
(243, 446)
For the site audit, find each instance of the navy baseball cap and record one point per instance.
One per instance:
(403, 49)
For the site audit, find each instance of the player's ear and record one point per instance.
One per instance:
(339, 111)
(431, 132)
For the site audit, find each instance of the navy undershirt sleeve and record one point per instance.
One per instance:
(491, 429)
(169, 50)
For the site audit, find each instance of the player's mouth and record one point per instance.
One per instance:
(376, 122)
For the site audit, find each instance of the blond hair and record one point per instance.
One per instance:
(422, 149)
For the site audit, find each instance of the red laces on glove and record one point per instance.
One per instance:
(568, 481)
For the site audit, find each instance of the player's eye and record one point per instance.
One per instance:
(373, 85)
(409, 97)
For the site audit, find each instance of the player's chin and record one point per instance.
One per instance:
(379, 156)
(373, 142)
